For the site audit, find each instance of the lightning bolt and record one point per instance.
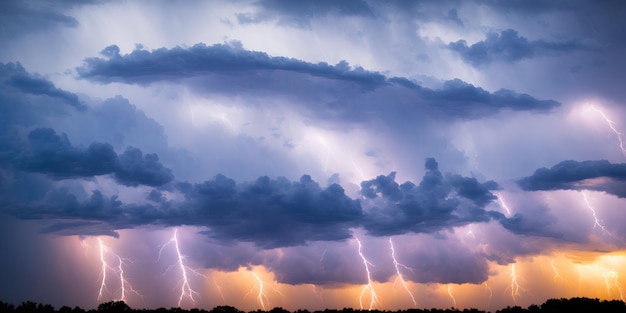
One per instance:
(219, 289)
(612, 275)
(185, 287)
(261, 295)
(515, 287)
(397, 266)
(611, 124)
(119, 269)
(369, 286)
(105, 266)
(503, 203)
(451, 295)
(554, 269)
(597, 222)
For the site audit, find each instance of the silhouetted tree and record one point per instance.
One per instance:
(225, 309)
(26, 307)
(6, 307)
(114, 307)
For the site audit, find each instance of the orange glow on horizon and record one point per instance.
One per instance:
(562, 274)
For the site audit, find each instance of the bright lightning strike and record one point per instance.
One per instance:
(397, 266)
(515, 287)
(261, 295)
(612, 275)
(597, 222)
(369, 286)
(185, 288)
(119, 270)
(105, 266)
(503, 204)
(451, 295)
(611, 124)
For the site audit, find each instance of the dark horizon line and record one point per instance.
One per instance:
(574, 304)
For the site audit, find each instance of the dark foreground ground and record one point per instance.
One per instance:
(552, 305)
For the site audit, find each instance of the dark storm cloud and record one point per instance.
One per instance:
(270, 212)
(142, 67)
(329, 91)
(509, 46)
(54, 155)
(574, 175)
(267, 212)
(437, 203)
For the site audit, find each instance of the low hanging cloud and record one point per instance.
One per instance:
(337, 91)
(599, 175)
(269, 213)
(54, 155)
(509, 46)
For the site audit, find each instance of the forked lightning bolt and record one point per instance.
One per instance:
(515, 287)
(612, 275)
(611, 124)
(119, 270)
(185, 287)
(261, 295)
(397, 266)
(369, 286)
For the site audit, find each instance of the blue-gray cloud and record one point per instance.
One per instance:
(267, 212)
(438, 202)
(54, 155)
(571, 175)
(509, 46)
(13, 75)
(328, 91)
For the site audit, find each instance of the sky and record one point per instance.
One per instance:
(312, 154)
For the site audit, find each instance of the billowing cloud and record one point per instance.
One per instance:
(438, 202)
(272, 135)
(599, 175)
(54, 155)
(509, 46)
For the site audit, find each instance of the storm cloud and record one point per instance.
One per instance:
(600, 175)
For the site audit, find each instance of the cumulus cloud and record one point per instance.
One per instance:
(437, 203)
(54, 155)
(574, 175)
(268, 212)
(509, 46)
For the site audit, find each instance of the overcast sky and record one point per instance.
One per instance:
(339, 154)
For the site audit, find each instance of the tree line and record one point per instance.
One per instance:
(551, 305)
